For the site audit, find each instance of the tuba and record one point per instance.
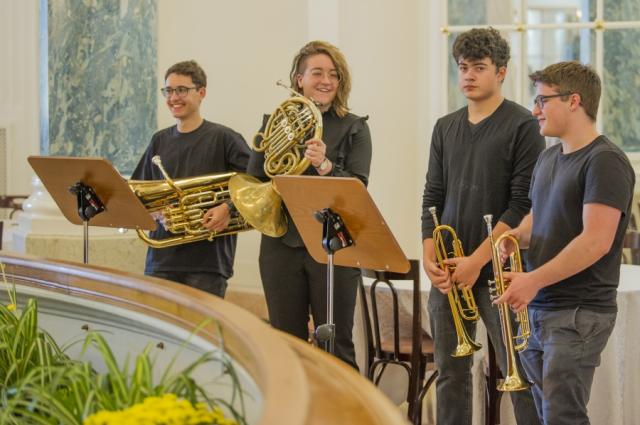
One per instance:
(513, 381)
(293, 122)
(183, 203)
(466, 346)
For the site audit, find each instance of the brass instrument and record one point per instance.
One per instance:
(294, 121)
(513, 381)
(183, 203)
(466, 346)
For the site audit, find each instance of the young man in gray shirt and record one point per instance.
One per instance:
(581, 195)
(193, 147)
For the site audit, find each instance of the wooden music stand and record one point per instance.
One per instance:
(110, 200)
(374, 246)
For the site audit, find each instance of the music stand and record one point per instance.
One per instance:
(89, 191)
(374, 246)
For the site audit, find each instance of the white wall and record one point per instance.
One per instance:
(19, 107)
(245, 46)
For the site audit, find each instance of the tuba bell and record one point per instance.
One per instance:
(294, 121)
(469, 311)
(183, 203)
(513, 343)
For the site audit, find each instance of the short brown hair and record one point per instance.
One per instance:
(573, 77)
(190, 69)
(480, 43)
(298, 66)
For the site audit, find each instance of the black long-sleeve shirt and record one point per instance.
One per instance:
(349, 149)
(478, 169)
(210, 149)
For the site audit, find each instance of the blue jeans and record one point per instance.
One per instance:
(454, 386)
(563, 353)
(212, 283)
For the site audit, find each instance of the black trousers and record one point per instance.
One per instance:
(211, 282)
(295, 283)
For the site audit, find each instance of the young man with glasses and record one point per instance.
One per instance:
(581, 193)
(193, 147)
(480, 163)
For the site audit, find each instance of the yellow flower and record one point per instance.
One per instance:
(165, 410)
(11, 307)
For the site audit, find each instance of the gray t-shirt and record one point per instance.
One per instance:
(561, 185)
(210, 149)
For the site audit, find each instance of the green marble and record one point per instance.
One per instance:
(99, 78)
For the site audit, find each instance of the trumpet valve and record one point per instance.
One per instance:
(493, 290)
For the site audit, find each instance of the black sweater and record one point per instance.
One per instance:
(481, 169)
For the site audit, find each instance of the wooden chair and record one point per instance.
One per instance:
(12, 202)
(412, 353)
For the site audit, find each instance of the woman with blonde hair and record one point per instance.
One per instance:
(294, 283)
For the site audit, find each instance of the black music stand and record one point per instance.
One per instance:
(336, 213)
(89, 191)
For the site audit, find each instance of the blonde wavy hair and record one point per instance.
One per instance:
(298, 67)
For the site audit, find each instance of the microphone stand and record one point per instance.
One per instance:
(335, 237)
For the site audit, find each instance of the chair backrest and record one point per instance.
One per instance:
(632, 242)
(373, 330)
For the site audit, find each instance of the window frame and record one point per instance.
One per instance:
(599, 25)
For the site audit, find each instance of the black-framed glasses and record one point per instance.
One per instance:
(181, 91)
(541, 99)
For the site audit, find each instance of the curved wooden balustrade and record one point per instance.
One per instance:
(300, 384)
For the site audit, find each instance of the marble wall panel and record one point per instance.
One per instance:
(100, 67)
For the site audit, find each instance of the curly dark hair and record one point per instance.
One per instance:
(480, 43)
(190, 69)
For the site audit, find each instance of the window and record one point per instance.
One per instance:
(602, 33)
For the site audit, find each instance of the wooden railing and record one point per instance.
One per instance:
(300, 384)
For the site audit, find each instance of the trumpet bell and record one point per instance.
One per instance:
(259, 204)
(513, 382)
(466, 348)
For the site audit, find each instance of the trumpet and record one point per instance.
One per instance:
(513, 343)
(466, 346)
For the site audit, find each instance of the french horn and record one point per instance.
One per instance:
(294, 121)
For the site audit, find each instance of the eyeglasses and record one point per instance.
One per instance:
(318, 74)
(181, 91)
(540, 99)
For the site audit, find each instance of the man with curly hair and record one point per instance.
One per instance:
(480, 162)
